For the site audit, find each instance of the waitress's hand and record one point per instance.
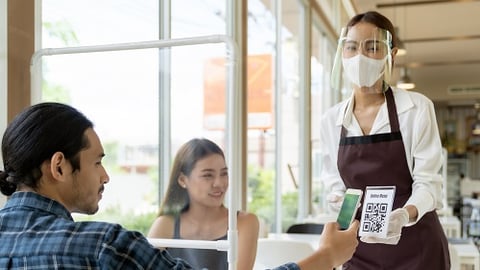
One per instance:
(335, 200)
(397, 220)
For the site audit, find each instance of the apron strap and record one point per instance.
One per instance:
(392, 112)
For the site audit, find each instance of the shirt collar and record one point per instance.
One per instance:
(346, 111)
(403, 100)
(37, 201)
(403, 103)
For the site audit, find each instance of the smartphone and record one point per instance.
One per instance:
(350, 204)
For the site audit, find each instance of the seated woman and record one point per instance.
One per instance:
(193, 208)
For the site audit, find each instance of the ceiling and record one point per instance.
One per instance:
(442, 39)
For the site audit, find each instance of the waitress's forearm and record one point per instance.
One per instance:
(423, 201)
(412, 212)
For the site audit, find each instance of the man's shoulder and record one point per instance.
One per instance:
(99, 227)
(102, 231)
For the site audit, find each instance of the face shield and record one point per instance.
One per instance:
(362, 57)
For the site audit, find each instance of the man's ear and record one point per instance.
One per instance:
(58, 164)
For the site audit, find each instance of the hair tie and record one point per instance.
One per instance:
(7, 186)
(9, 177)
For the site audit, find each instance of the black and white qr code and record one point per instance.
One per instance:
(374, 217)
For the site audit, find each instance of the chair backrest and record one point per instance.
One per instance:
(311, 228)
(274, 252)
(454, 258)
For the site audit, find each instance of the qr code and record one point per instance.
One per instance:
(374, 217)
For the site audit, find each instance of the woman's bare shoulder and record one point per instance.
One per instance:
(249, 219)
(162, 227)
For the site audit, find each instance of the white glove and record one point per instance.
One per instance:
(335, 200)
(397, 219)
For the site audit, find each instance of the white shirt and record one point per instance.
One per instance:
(421, 139)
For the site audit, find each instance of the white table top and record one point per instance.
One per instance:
(466, 250)
(312, 239)
(321, 218)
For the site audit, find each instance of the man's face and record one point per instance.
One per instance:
(88, 182)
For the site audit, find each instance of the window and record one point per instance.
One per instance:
(121, 92)
(118, 91)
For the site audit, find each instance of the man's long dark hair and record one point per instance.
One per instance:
(34, 136)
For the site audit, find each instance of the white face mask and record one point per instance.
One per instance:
(362, 70)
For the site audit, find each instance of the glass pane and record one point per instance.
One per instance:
(91, 22)
(198, 92)
(261, 144)
(198, 74)
(206, 17)
(319, 96)
(292, 12)
(323, 97)
(118, 91)
(261, 134)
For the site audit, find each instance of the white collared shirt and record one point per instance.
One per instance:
(421, 139)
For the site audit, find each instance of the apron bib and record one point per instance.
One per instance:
(380, 160)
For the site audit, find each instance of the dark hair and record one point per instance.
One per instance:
(176, 198)
(378, 20)
(34, 136)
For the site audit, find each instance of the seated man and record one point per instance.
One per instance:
(52, 160)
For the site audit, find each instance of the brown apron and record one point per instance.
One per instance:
(380, 160)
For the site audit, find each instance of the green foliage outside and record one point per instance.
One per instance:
(129, 220)
(63, 32)
(261, 198)
(111, 149)
(55, 93)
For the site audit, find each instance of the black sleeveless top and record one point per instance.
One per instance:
(201, 259)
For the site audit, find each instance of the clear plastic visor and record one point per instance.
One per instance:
(375, 44)
(376, 49)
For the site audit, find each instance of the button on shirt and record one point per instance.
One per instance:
(39, 233)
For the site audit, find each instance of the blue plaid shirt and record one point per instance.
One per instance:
(39, 233)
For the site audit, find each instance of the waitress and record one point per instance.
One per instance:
(383, 136)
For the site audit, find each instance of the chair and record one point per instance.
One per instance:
(465, 251)
(454, 258)
(274, 252)
(311, 228)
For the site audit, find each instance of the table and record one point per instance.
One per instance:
(468, 253)
(312, 239)
(321, 218)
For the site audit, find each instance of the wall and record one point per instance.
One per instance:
(21, 46)
(3, 75)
